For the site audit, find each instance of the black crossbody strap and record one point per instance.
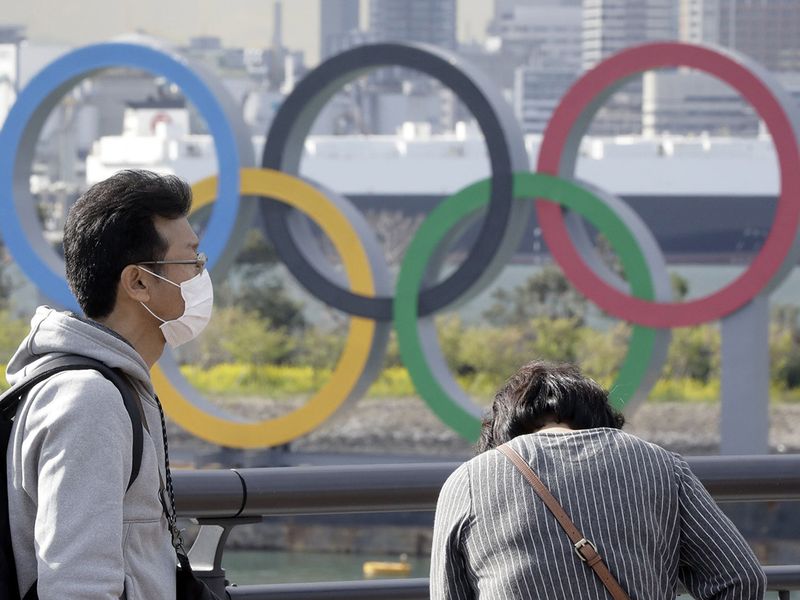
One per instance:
(10, 399)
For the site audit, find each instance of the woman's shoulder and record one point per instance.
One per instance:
(596, 439)
(636, 442)
(477, 467)
(589, 442)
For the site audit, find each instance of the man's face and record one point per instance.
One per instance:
(166, 300)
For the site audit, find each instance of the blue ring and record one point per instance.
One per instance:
(48, 86)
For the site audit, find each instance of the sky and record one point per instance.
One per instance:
(247, 23)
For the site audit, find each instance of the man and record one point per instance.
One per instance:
(132, 263)
(651, 519)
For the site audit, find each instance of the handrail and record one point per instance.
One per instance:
(309, 490)
(227, 497)
(415, 487)
(782, 578)
(383, 589)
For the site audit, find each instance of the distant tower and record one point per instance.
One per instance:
(338, 24)
(427, 21)
(277, 28)
(276, 55)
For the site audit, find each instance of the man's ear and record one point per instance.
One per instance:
(134, 284)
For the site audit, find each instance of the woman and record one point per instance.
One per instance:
(651, 519)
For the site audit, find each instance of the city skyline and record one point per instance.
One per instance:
(98, 20)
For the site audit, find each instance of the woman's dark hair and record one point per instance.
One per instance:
(112, 226)
(541, 392)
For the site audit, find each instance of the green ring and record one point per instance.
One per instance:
(462, 414)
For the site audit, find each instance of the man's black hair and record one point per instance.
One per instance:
(542, 392)
(112, 226)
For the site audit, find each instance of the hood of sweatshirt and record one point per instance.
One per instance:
(54, 332)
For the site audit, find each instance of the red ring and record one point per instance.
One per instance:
(576, 109)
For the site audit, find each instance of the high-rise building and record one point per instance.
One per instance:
(401, 94)
(688, 102)
(541, 39)
(426, 21)
(547, 32)
(504, 9)
(766, 30)
(613, 25)
(338, 25)
(698, 21)
(529, 41)
(537, 91)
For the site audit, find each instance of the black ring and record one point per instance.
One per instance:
(504, 220)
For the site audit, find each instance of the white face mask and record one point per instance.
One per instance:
(198, 300)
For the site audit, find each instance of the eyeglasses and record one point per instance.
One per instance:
(198, 261)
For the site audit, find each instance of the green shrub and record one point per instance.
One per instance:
(784, 347)
(241, 354)
(248, 379)
(284, 380)
(319, 349)
(495, 352)
(694, 353)
(500, 351)
(241, 336)
(12, 332)
(685, 389)
(393, 382)
(600, 353)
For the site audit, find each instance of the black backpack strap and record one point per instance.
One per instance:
(10, 399)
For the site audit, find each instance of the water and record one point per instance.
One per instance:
(264, 566)
(248, 567)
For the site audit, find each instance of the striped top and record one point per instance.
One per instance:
(649, 516)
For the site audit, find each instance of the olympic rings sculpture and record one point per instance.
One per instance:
(503, 203)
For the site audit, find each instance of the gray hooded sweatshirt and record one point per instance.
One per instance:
(73, 525)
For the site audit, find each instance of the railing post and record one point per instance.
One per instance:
(744, 411)
(205, 554)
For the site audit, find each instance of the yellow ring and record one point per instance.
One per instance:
(352, 363)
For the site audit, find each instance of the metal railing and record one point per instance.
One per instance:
(222, 499)
(781, 579)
